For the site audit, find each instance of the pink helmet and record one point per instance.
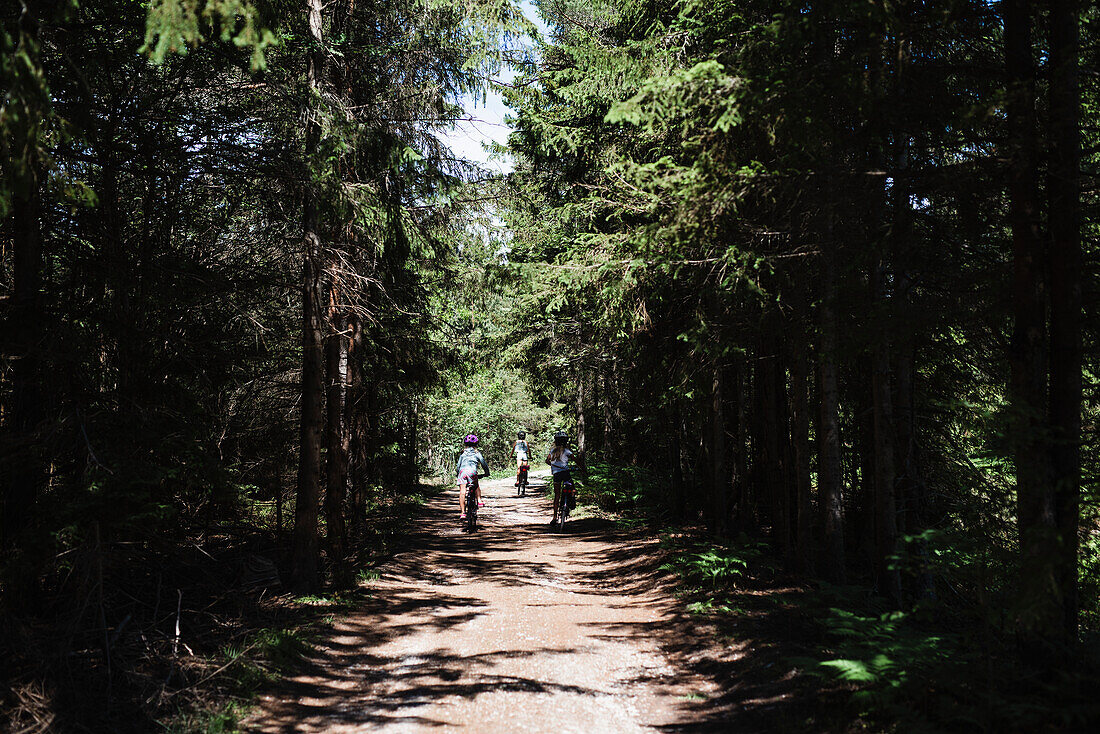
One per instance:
(470, 439)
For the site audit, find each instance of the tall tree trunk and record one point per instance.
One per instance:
(608, 413)
(24, 475)
(772, 445)
(785, 471)
(911, 489)
(830, 471)
(336, 443)
(676, 458)
(800, 437)
(1040, 615)
(900, 332)
(582, 440)
(371, 429)
(305, 570)
(756, 488)
(886, 517)
(911, 484)
(356, 421)
(305, 561)
(410, 449)
(735, 421)
(862, 459)
(1065, 301)
(719, 480)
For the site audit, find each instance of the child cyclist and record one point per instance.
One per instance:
(466, 469)
(522, 453)
(558, 459)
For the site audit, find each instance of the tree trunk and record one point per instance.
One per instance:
(888, 581)
(1065, 301)
(1040, 615)
(608, 388)
(410, 450)
(800, 437)
(305, 571)
(785, 473)
(772, 445)
(830, 471)
(356, 421)
(582, 443)
(862, 473)
(371, 434)
(676, 458)
(911, 485)
(735, 421)
(24, 475)
(756, 488)
(336, 444)
(719, 480)
(305, 561)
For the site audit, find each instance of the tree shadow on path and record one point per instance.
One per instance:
(403, 654)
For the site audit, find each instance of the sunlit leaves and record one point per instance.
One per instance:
(175, 26)
(679, 97)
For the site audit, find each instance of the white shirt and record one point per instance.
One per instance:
(562, 462)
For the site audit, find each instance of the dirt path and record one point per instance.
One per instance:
(511, 629)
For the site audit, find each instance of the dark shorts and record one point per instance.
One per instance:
(561, 478)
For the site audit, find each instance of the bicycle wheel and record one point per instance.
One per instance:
(563, 512)
(471, 510)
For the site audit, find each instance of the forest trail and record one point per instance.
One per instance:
(511, 629)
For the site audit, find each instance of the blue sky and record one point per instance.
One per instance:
(485, 118)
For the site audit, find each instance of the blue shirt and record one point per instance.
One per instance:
(469, 459)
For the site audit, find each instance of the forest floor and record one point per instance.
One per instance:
(516, 628)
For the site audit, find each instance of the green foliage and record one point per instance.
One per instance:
(888, 661)
(907, 670)
(621, 487)
(367, 575)
(685, 173)
(223, 719)
(1089, 580)
(28, 122)
(263, 657)
(175, 26)
(669, 100)
(715, 567)
(284, 649)
(494, 404)
(163, 273)
(900, 670)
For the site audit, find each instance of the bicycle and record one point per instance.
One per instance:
(521, 480)
(471, 505)
(567, 501)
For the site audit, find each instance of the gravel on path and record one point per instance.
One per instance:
(513, 628)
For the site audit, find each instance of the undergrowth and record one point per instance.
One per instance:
(929, 668)
(172, 633)
(623, 488)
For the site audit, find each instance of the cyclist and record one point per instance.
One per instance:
(466, 469)
(522, 453)
(558, 459)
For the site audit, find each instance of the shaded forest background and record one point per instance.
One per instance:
(819, 274)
